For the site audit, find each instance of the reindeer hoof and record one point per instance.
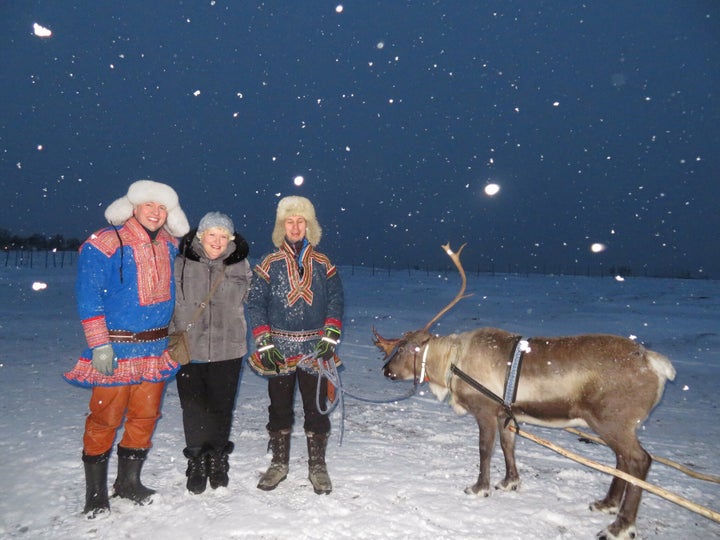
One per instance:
(508, 485)
(626, 534)
(605, 508)
(475, 490)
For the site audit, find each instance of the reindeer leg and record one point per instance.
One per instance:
(487, 442)
(611, 503)
(511, 482)
(634, 460)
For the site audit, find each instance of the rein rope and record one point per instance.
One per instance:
(329, 371)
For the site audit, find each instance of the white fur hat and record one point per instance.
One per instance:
(144, 191)
(296, 206)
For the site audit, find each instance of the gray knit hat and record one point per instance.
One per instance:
(216, 220)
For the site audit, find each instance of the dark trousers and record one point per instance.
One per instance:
(207, 395)
(282, 395)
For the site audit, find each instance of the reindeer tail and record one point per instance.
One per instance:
(661, 365)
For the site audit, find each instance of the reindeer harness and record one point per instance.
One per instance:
(511, 378)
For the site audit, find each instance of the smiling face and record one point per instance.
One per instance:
(151, 215)
(295, 228)
(215, 241)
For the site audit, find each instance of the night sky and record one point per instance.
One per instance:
(598, 120)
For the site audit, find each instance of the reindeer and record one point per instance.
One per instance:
(605, 382)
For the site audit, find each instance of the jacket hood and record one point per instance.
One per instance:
(189, 249)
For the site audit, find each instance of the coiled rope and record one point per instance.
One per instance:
(328, 370)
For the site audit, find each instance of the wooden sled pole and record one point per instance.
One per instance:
(664, 461)
(672, 497)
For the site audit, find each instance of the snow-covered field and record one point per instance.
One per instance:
(402, 466)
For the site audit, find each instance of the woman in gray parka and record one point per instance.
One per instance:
(208, 385)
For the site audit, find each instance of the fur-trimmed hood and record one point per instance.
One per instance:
(191, 249)
(144, 191)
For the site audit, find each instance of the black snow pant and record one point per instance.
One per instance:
(207, 395)
(282, 394)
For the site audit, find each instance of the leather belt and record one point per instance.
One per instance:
(125, 336)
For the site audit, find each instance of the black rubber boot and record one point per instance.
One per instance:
(278, 470)
(197, 469)
(128, 485)
(218, 465)
(96, 492)
(317, 469)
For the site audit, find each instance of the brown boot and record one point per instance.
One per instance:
(278, 470)
(317, 469)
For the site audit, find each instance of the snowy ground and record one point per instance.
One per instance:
(402, 467)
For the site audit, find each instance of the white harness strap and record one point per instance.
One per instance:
(514, 372)
(423, 364)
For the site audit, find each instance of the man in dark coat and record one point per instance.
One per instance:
(295, 310)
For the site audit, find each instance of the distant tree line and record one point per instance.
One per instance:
(19, 251)
(37, 242)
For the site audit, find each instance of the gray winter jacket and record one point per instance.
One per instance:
(220, 333)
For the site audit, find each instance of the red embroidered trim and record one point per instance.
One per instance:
(262, 270)
(337, 323)
(152, 259)
(330, 269)
(300, 287)
(131, 371)
(96, 332)
(260, 330)
(153, 263)
(106, 241)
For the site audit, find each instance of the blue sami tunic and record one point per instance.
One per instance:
(125, 282)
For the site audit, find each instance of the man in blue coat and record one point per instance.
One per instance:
(126, 296)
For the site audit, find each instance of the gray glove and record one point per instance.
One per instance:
(104, 359)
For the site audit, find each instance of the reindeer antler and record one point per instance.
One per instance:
(387, 345)
(455, 256)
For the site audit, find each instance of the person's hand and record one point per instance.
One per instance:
(103, 358)
(325, 349)
(270, 357)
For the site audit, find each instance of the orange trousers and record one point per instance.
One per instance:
(139, 404)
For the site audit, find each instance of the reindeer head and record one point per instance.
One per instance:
(403, 355)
